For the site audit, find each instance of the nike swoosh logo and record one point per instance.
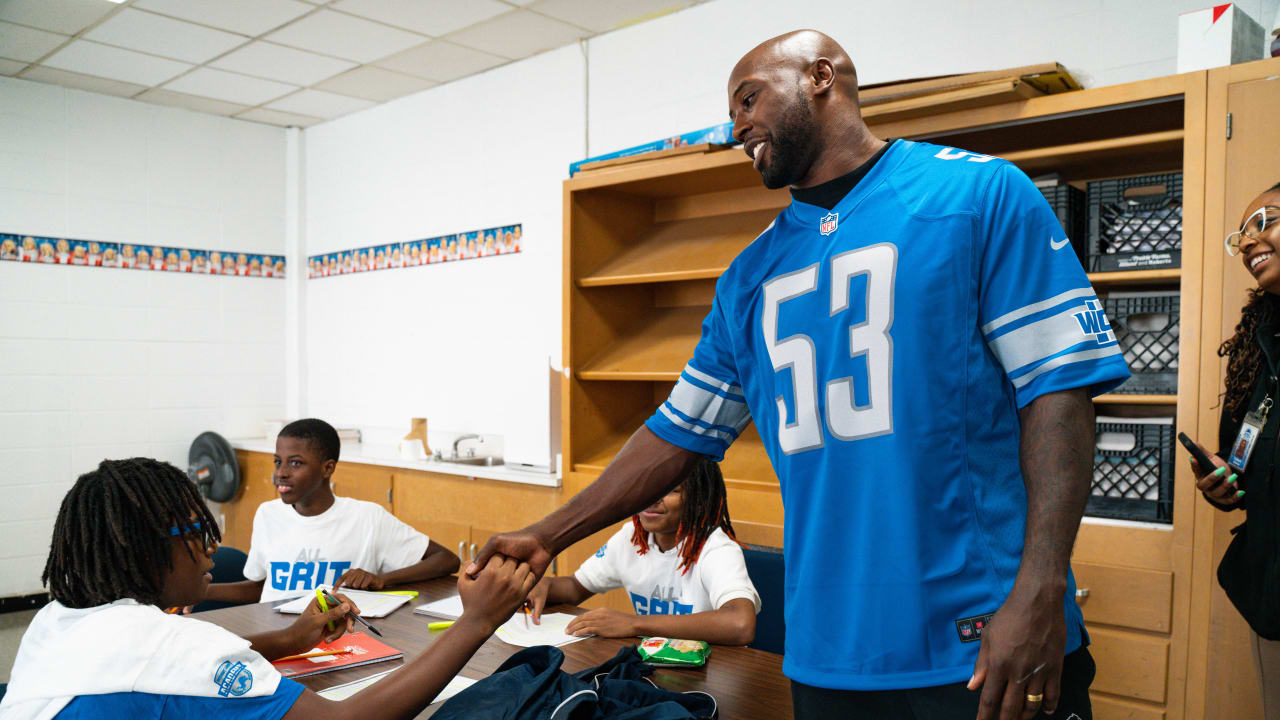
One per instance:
(1059, 244)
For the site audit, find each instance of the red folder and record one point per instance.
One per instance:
(364, 650)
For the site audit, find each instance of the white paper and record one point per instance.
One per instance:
(449, 608)
(371, 604)
(550, 632)
(346, 690)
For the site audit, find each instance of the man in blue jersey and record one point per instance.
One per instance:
(917, 345)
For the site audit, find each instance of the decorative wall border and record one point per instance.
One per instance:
(473, 244)
(136, 256)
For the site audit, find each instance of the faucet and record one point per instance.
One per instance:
(460, 438)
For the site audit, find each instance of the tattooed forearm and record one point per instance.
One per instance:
(1057, 467)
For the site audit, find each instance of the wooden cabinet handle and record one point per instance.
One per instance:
(473, 552)
(462, 549)
(1082, 594)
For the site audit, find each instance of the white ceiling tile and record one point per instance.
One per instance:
(278, 62)
(82, 82)
(191, 102)
(251, 17)
(228, 86)
(346, 36)
(91, 58)
(22, 43)
(437, 17)
(518, 34)
(318, 103)
(64, 16)
(374, 83)
(159, 35)
(605, 15)
(441, 61)
(521, 3)
(275, 117)
(9, 67)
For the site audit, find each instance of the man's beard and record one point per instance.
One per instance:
(793, 147)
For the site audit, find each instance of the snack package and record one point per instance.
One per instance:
(665, 651)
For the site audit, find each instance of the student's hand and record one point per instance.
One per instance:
(312, 627)
(522, 545)
(537, 600)
(496, 592)
(603, 622)
(1218, 484)
(358, 579)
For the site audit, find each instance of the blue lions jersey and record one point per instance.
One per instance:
(883, 349)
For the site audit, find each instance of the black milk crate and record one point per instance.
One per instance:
(1146, 326)
(1135, 223)
(1072, 209)
(1132, 470)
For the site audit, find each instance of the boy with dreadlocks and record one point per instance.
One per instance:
(681, 565)
(133, 537)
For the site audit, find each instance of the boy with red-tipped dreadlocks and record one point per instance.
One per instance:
(680, 564)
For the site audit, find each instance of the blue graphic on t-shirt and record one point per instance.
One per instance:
(658, 606)
(305, 575)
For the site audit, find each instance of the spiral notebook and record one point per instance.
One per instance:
(360, 649)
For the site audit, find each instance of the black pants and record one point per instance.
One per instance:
(945, 702)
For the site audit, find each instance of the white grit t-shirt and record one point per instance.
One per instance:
(654, 582)
(295, 554)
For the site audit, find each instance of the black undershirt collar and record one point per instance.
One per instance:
(831, 192)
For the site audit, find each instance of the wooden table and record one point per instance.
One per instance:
(746, 683)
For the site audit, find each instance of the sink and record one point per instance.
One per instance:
(482, 461)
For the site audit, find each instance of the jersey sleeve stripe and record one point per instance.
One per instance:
(712, 382)
(696, 426)
(713, 409)
(1049, 336)
(1033, 308)
(688, 379)
(1061, 360)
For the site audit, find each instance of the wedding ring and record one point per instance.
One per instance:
(1034, 698)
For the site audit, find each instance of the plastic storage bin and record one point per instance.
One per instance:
(1135, 223)
(1146, 326)
(1133, 469)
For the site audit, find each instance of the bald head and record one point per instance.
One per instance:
(796, 53)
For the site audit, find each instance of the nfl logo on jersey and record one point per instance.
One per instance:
(829, 223)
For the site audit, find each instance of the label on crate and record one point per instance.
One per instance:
(1140, 261)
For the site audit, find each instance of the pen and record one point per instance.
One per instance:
(335, 602)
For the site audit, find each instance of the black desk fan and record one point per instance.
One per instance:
(212, 466)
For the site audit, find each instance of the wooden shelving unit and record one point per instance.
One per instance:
(644, 243)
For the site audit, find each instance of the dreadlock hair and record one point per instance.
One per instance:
(111, 539)
(704, 508)
(319, 434)
(1244, 356)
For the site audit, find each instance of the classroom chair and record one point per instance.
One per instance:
(228, 566)
(766, 567)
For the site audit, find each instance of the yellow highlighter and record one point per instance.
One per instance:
(324, 607)
(442, 625)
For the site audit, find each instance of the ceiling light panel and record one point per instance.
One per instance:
(22, 43)
(434, 18)
(441, 61)
(345, 36)
(318, 103)
(518, 34)
(228, 86)
(250, 17)
(285, 64)
(159, 35)
(63, 16)
(91, 58)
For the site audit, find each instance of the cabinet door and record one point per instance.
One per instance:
(363, 482)
(255, 488)
(416, 501)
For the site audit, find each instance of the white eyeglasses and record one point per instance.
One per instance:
(1263, 220)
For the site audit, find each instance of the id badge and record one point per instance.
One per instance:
(1250, 429)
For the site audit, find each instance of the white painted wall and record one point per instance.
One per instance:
(643, 90)
(98, 363)
(468, 345)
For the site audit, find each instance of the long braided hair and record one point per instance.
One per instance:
(704, 507)
(111, 539)
(1244, 356)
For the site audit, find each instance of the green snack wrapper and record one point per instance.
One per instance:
(666, 651)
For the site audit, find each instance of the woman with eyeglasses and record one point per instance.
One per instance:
(1246, 472)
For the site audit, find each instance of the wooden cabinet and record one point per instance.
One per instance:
(362, 482)
(255, 488)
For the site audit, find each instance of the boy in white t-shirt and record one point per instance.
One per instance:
(309, 537)
(679, 563)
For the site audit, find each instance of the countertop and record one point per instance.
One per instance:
(386, 456)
